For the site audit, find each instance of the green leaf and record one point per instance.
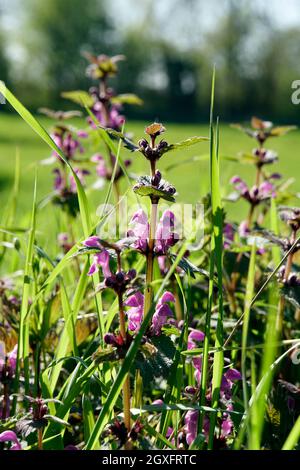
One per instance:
(164, 190)
(151, 191)
(39, 129)
(282, 130)
(293, 437)
(118, 135)
(189, 267)
(127, 98)
(105, 355)
(23, 338)
(81, 97)
(158, 363)
(56, 419)
(184, 144)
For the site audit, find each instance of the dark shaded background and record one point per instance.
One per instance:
(171, 46)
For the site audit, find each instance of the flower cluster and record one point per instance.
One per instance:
(160, 317)
(165, 236)
(229, 377)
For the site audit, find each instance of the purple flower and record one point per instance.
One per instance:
(101, 168)
(228, 379)
(165, 236)
(82, 134)
(100, 260)
(162, 263)
(115, 118)
(63, 238)
(191, 426)
(227, 426)
(111, 119)
(59, 182)
(162, 312)
(10, 360)
(92, 242)
(233, 375)
(256, 194)
(10, 436)
(64, 241)
(140, 230)
(81, 173)
(135, 313)
(158, 402)
(239, 184)
(244, 229)
(195, 335)
(228, 232)
(67, 143)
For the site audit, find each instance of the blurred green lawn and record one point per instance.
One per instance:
(191, 179)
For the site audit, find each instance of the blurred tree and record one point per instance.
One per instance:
(3, 59)
(278, 69)
(227, 46)
(61, 30)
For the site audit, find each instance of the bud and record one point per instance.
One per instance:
(143, 143)
(120, 277)
(156, 179)
(109, 338)
(131, 274)
(110, 282)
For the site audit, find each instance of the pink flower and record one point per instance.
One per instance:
(165, 236)
(239, 185)
(135, 313)
(100, 260)
(92, 242)
(256, 194)
(82, 134)
(244, 229)
(158, 402)
(67, 143)
(228, 379)
(10, 436)
(59, 183)
(191, 426)
(228, 233)
(81, 173)
(195, 335)
(12, 358)
(9, 359)
(116, 119)
(162, 312)
(101, 168)
(140, 230)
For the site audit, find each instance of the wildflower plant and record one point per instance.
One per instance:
(137, 341)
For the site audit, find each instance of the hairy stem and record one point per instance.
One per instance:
(126, 386)
(40, 439)
(150, 256)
